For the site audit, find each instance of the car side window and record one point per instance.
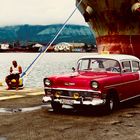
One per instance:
(135, 66)
(126, 66)
(94, 64)
(84, 64)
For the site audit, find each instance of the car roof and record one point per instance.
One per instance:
(118, 57)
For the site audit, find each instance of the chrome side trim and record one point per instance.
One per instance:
(130, 98)
(94, 91)
(120, 84)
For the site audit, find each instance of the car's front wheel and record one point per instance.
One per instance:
(57, 107)
(111, 104)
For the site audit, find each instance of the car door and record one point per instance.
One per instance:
(130, 80)
(136, 73)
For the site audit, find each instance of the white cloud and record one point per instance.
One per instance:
(38, 12)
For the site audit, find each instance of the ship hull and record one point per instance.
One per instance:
(119, 44)
(115, 24)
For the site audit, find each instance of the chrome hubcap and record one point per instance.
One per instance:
(111, 104)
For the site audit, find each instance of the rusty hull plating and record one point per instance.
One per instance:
(115, 23)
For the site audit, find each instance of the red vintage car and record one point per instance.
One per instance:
(98, 80)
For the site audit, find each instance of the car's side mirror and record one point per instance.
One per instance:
(123, 70)
(73, 69)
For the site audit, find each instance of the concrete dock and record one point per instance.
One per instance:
(12, 94)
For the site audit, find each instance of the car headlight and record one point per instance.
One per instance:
(94, 85)
(47, 82)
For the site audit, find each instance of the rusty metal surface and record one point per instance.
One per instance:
(116, 24)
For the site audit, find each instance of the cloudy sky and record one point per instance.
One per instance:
(44, 12)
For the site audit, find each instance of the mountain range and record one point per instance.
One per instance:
(45, 33)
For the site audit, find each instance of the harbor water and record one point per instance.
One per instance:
(49, 64)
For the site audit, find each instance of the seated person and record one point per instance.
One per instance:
(15, 71)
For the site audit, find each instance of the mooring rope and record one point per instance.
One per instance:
(30, 67)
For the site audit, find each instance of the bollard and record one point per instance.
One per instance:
(1, 84)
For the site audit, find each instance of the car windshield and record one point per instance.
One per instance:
(98, 65)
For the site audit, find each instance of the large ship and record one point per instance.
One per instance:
(115, 23)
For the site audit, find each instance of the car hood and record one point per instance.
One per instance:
(76, 80)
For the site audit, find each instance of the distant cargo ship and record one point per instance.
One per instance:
(115, 23)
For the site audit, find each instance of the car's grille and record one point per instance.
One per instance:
(72, 93)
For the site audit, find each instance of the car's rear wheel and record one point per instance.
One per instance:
(57, 107)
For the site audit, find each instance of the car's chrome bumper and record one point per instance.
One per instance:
(70, 102)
